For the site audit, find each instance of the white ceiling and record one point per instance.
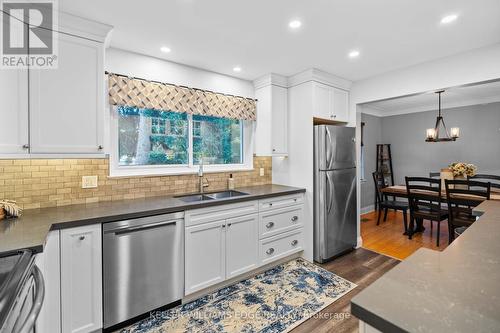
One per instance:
(220, 34)
(451, 98)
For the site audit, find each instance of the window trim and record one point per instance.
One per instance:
(116, 170)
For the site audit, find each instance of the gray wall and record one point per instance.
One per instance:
(479, 142)
(372, 134)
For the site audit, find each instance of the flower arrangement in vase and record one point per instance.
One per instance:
(463, 170)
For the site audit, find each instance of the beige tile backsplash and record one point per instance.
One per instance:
(39, 183)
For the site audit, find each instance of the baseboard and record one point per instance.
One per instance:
(359, 242)
(367, 209)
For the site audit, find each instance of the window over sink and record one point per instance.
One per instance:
(149, 142)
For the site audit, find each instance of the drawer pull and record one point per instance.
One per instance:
(295, 218)
(270, 204)
(270, 225)
(295, 242)
(270, 251)
(81, 238)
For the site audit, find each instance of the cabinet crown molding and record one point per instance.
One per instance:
(82, 27)
(271, 79)
(317, 75)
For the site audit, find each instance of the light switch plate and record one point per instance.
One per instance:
(89, 181)
(261, 172)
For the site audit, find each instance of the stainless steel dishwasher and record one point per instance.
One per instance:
(143, 266)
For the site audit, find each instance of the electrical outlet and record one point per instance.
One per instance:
(261, 172)
(89, 181)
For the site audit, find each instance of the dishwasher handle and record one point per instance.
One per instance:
(142, 227)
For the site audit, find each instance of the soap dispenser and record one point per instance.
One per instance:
(230, 182)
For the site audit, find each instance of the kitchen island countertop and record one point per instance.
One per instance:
(455, 290)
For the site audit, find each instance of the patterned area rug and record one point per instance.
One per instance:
(271, 302)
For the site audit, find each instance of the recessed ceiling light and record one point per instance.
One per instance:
(295, 24)
(165, 49)
(353, 54)
(237, 69)
(449, 18)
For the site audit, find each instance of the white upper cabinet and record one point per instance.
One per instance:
(14, 111)
(67, 103)
(330, 103)
(271, 131)
(279, 120)
(340, 105)
(58, 110)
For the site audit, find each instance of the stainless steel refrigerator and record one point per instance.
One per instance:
(334, 191)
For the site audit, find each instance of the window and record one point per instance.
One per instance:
(175, 143)
(217, 140)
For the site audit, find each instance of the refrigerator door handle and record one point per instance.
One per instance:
(328, 148)
(329, 193)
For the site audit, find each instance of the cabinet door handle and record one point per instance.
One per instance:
(100, 147)
(26, 146)
(270, 204)
(229, 224)
(270, 251)
(295, 242)
(81, 238)
(270, 225)
(223, 226)
(295, 218)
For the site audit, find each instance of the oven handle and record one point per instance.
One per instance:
(37, 303)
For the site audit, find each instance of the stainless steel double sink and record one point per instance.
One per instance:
(210, 196)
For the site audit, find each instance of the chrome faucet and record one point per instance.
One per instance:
(202, 185)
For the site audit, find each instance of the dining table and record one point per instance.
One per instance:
(400, 191)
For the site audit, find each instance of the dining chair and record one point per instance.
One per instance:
(386, 204)
(434, 174)
(493, 179)
(462, 196)
(425, 202)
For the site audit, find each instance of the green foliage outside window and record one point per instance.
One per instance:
(154, 137)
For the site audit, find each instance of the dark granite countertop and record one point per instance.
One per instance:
(456, 290)
(31, 229)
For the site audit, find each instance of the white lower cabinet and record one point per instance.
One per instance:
(280, 246)
(81, 279)
(242, 250)
(205, 256)
(227, 241)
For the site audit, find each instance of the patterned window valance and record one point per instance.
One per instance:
(161, 96)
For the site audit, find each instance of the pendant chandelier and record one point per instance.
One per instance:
(433, 134)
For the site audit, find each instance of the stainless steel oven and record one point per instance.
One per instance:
(21, 293)
(143, 266)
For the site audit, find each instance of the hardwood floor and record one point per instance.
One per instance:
(362, 267)
(387, 238)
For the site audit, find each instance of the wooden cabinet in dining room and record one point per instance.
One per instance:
(67, 103)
